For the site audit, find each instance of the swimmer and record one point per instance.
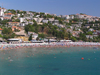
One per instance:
(54, 57)
(27, 56)
(9, 57)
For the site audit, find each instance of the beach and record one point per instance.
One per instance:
(54, 44)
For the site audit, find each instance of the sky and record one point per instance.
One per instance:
(59, 7)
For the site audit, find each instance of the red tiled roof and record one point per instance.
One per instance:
(1, 29)
(7, 18)
(13, 26)
(8, 14)
(13, 22)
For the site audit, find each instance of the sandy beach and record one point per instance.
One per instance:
(56, 44)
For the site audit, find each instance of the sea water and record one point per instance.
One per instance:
(50, 61)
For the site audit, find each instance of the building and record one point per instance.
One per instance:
(6, 18)
(18, 15)
(14, 40)
(69, 30)
(14, 28)
(51, 20)
(35, 41)
(81, 16)
(76, 33)
(91, 36)
(88, 25)
(91, 29)
(38, 20)
(22, 20)
(8, 15)
(1, 30)
(1, 11)
(50, 40)
(67, 17)
(56, 21)
(13, 23)
(65, 40)
(67, 21)
(61, 26)
(45, 21)
(34, 35)
(71, 17)
(23, 24)
(37, 15)
(1, 18)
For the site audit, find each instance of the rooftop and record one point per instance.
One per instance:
(1, 29)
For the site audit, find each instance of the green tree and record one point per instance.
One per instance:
(7, 33)
(12, 11)
(89, 33)
(76, 19)
(73, 39)
(30, 38)
(82, 37)
(41, 35)
(1, 35)
(69, 35)
(60, 21)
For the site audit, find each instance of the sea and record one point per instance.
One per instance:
(50, 61)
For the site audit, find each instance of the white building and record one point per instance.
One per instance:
(34, 35)
(91, 29)
(22, 20)
(81, 16)
(65, 40)
(38, 20)
(71, 17)
(1, 12)
(50, 40)
(14, 40)
(51, 20)
(45, 21)
(61, 26)
(67, 17)
(89, 36)
(23, 24)
(18, 15)
(4, 9)
(37, 15)
(56, 21)
(1, 18)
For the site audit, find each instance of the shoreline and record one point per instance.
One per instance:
(48, 45)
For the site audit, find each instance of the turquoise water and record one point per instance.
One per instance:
(50, 61)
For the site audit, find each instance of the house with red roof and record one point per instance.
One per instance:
(14, 23)
(15, 28)
(1, 30)
(8, 16)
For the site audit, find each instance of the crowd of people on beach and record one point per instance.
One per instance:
(53, 44)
